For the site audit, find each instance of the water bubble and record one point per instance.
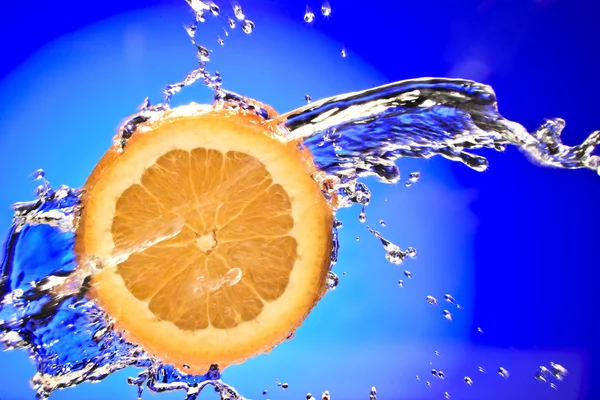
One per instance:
(480, 330)
(247, 26)
(373, 393)
(307, 98)
(558, 371)
(220, 40)
(437, 353)
(285, 386)
(432, 300)
(553, 386)
(231, 22)
(428, 383)
(332, 280)
(326, 9)
(226, 32)
(411, 252)
(434, 372)
(481, 369)
(325, 395)
(357, 238)
(343, 53)
(382, 223)
(468, 380)
(309, 396)
(503, 373)
(401, 283)
(265, 392)
(447, 315)
(449, 299)
(238, 12)
(446, 395)
(407, 274)
(309, 15)
(418, 379)
(441, 375)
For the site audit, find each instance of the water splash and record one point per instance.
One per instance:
(352, 136)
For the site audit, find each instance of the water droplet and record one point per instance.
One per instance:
(332, 281)
(238, 12)
(247, 26)
(343, 53)
(553, 386)
(285, 386)
(441, 375)
(446, 395)
(309, 15)
(38, 174)
(558, 371)
(362, 217)
(203, 53)
(326, 395)
(307, 98)
(373, 393)
(401, 283)
(214, 9)
(220, 40)
(468, 381)
(265, 392)
(449, 299)
(226, 32)
(480, 330)
(418, 379)
(290, 336)
(382, 223)
(357, 238)
(434, 372)
(503, 373)
(428, 383)
(309, 396)
(481, 369)
(407, 274)
(437, 353)
(447, 315)
(231, 22)
(411, 252)
(326, 9)
(541, 374)
(432, 300)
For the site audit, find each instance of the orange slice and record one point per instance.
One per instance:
(214, 241)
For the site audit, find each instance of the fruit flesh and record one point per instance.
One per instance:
(243, 230)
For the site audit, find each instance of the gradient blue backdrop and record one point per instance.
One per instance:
(516, 245)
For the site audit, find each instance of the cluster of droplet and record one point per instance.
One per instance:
(556, 371)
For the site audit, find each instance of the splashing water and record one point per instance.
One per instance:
(351, 136)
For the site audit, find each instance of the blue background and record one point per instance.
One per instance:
(516, 245)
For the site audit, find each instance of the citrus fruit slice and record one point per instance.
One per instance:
(213, 239)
